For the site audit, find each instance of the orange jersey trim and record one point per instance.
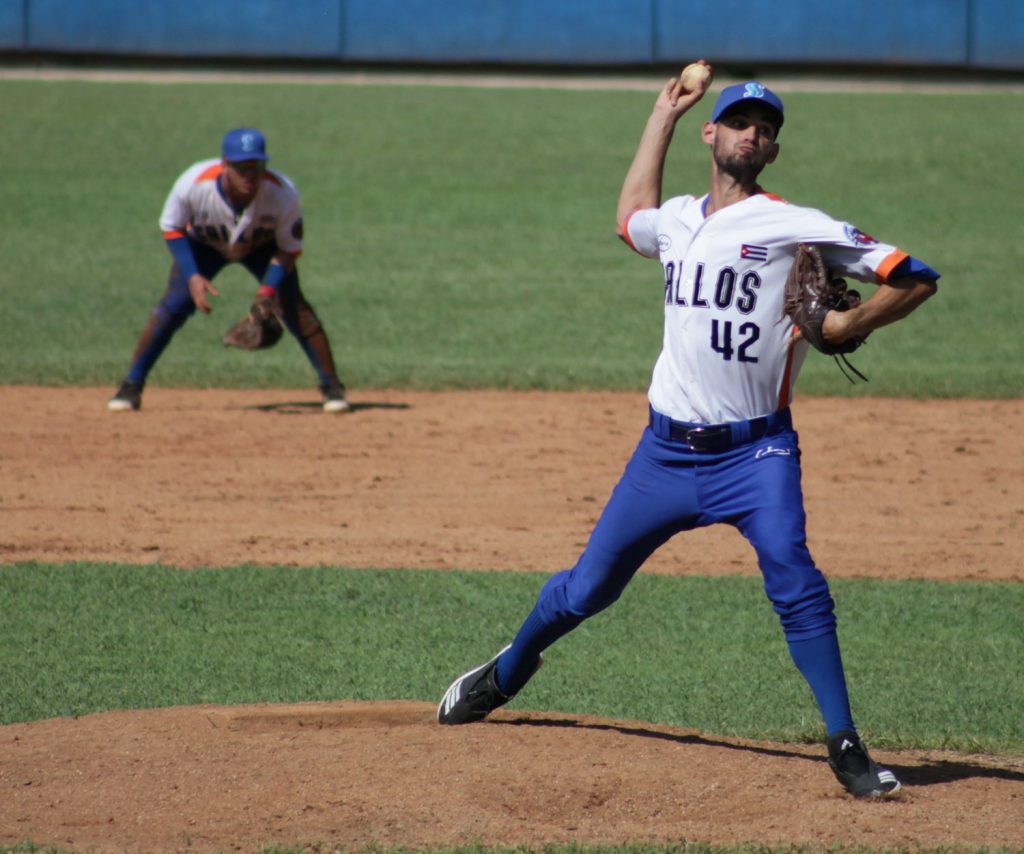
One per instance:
(774, 197)
(624, 232)
(172, 235)
(210, 174)
(786, 389)
(891, 262)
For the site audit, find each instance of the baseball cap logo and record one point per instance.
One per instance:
(244, 144)
(730, 96)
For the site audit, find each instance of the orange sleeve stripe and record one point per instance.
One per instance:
(891, 262)
(211, 173)
(171, 235)
(624, 233)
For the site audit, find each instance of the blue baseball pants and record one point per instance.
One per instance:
(667, 488)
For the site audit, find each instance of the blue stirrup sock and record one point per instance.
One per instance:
(821, 664)
(163, 329)
(518, 663)
(818, 660)
(314, 360)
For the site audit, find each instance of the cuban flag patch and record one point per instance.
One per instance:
(858, 237)
(754, 253)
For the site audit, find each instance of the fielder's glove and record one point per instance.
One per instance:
(811, 292)
(258, 330)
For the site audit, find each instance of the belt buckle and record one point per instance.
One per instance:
(707, 438)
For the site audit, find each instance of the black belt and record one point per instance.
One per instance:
(717, 438)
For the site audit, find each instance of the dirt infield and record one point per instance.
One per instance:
(473, 480)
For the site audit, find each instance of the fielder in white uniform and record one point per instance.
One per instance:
(720, 446)
(233, 209)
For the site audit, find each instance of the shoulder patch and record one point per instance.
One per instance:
(855, 235)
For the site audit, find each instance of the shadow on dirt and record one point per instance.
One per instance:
(925, 773)
(308, 406)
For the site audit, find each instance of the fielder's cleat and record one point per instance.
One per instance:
(474, 695)
(127, 399)
(856, 770)
(334, 397)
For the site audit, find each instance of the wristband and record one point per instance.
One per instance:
(181, 249)
(273, 277)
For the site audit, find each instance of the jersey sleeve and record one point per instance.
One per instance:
(640, 231)
(288, 235)
(177, 212)
(850, 252)
(915, 268)
(289, 231)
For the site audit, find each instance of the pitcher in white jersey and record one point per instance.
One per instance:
(720, 445)
(221, 211)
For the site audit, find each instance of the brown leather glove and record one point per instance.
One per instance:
(812, 292)
(258, 330)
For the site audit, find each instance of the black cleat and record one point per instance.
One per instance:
(856, 770)
(474, 695)
(334, 397)
(127, 399)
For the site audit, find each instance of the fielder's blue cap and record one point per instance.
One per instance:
(750, 91)
(244, 144)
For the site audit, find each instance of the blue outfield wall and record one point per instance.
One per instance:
(891, 32)
(983, 34)
(996, 37)
(596, 32)
(225, 28)
(12, 25)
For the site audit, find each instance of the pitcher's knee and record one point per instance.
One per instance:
(587, 595)
(586, 603)
(575, 594)
(807, 616)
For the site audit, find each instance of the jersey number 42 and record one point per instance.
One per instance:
(722, 340)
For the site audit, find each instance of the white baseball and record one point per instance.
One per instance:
(693, 75)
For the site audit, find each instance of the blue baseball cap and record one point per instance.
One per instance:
(244, 144)
(750, 91)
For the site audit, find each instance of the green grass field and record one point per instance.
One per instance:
(464, 237)
(461, 238)
(102, 636)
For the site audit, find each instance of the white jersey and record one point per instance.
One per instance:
(196, 206)
(728, 353)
